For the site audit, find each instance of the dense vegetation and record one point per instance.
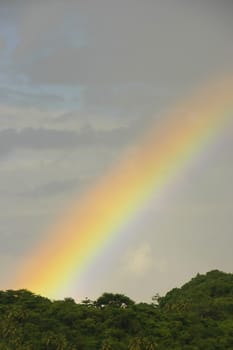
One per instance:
(198, 316)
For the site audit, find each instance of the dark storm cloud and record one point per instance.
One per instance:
(17, 97)
(41, 138)
(11, 139)
(2, 43)
(52, 188)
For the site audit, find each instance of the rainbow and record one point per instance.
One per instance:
(145, 169)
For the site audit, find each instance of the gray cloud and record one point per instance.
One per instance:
(71, 117)
(80, 80)
(131, 101)
(46, 28)
(128, 52)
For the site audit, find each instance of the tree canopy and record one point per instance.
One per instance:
(197, 316)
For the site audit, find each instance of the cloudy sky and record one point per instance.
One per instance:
(80, 81)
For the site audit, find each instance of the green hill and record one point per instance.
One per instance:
(197, 316)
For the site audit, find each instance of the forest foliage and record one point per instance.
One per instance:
(197, 316)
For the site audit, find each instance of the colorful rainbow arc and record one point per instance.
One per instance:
(144, 170)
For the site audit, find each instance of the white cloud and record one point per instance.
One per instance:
(139, 260)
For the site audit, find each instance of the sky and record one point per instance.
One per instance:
(80, 82)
